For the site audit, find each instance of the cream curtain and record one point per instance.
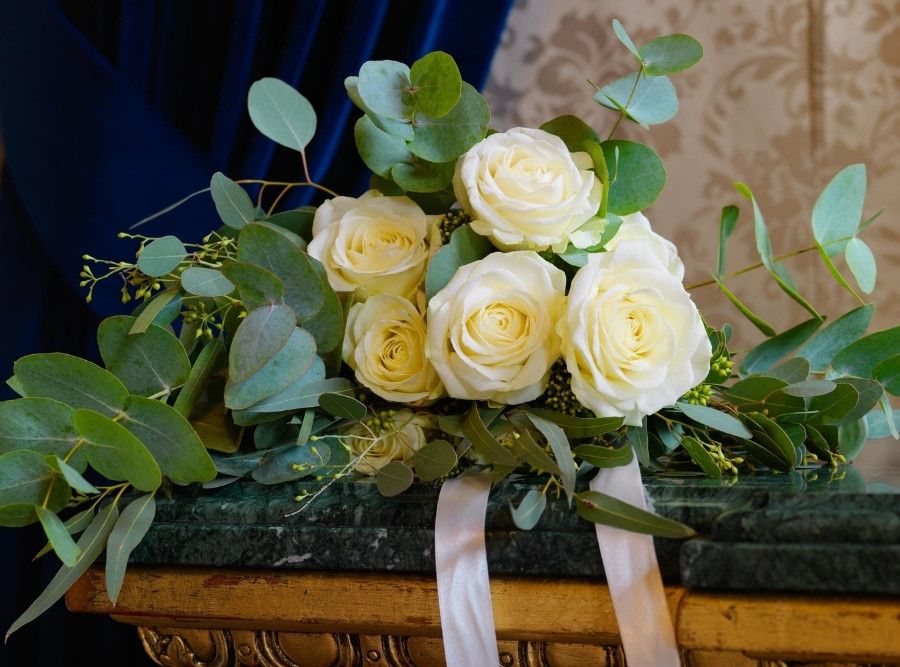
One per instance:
(788, 93)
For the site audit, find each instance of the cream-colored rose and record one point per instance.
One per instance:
(491, 330)
(632, 338)
(372, 244)
(398, 438)
(526, 191)
(384, 342)
(637, 226)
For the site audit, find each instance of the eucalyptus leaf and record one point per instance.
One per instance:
(835, 273)
(860, 358)
(640, 442)
(128, 531)
(446, 138)
(258, 287)
(115, 452)
(527, 514)
(38, 424)
(572, 130)
(161, 256)
(886, 372)
(298, 220)
(820, 350)
(147, 363)
(286, 367)
(483, 442)
(653, 100)
(161, 310)
(767, 432)
(670, 54)
(26, 481)
(74, 525)
(71, 476)
(393, 478)
(384, 87)
(754, 319)
(421, 176)
(278, 465)
(838, 209)
(260, 336)
(281, 113)
(203, 281)
(852, 436)
(465, 247)
(861, 262)
(208, 362)
(640, 177)
(91, 545)
(714, 419)
(622, 36)
(869, 392)
(171, 440)
(378, 149)
(76, 382)
(810, 388)
(877, 423)
(604, 457)
(305, 394)
(434, 460)
(526, 448)
(764, 247)
(727, 222)
(791, 371)
(232, 202)
(701, 456)
(765, 355)
(600, 508)
(436, 84)
(562, 451)
(343, 406)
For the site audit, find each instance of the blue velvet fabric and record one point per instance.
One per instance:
(112, 109)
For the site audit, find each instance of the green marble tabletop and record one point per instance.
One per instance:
(817, 530)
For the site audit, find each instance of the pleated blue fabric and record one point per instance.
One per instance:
(112, 109)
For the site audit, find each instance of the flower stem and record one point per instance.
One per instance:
(748, 269)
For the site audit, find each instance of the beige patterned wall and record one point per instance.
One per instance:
(788, 93)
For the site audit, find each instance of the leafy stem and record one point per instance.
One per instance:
(627, 102)
(752, 267)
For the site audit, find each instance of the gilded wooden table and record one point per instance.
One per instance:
(793, 570)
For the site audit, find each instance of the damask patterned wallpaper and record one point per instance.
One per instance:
(788, 93)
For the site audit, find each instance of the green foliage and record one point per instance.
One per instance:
(771, 351)
(529, 510)
(484, 442)
(861, 263)
(171, 440)
(446, 138)
(764, 248)
(751, 316)
(76, 382)
(161, 256)
(39, 424)
(281, 113)
(579, 427)
(299, 221)
(435, 460)
(91, 546)
(639, 179)
(127, 533)
(820, 350)
(436, 84)
(714, 419)
(526, 448)
(75, 525)
(838, 210)
(27, 480)
(280, 371)
(638, 438)
(622, 36)
(646, 100)
(464, 248)
(562, 451)
(727, 223)
(600, 508)
(670, 54)
(394, 478)
(160, 310)
(604, 457)
(114, 452)
(203, 281)
(208, 362)
(343, 407)
(259, 337)
(860, 358)
(701, 456)
(71, 476)
(147, 363)
(232, 202)
(887, 372)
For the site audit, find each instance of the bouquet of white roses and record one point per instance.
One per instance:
(497, 302)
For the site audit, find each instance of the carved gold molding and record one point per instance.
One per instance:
(187, 647)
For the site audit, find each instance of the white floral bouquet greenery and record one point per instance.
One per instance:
(496, 303)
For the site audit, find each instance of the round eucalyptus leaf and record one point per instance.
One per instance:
(202, 281)
(161, 256)
(259, 338)
(115, 452)
(378, 149)
(384, 87)
(861, 262)
(670, 54)
(446, 138)
(394, 478)
(436, 83)
(434, 460)
(232, 202)
(281, 113)
(639, 177)
(838, 209)
(653, 101)
(25, 479)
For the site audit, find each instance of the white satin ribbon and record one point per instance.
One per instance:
(464, 592)
(632, 573)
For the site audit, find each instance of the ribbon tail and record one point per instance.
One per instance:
(632, 572)
(464, 593)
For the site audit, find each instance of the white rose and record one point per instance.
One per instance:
(398, 438)
(491, 330)
(632, 338)
(384, 342)
(526, 191)
(372, 244)
(637, 226)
